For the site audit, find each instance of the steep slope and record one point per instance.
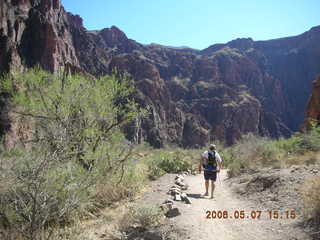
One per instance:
(193, 96)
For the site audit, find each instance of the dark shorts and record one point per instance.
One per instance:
(210, 175)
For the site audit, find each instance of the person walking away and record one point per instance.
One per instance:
(211, 163)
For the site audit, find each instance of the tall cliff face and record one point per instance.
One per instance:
(34, 32)
(293, 62)
(313, 108)
(193, 96)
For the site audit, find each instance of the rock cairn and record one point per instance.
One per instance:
(177, 194)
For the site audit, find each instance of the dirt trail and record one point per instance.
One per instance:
(193, 217)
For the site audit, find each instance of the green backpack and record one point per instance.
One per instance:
(212, 159)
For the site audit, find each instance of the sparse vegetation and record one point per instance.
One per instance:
(144, 216)
(170, 161)
(311, 197)
(252, 151)
(230, 52)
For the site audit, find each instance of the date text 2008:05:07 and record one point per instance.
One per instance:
(253, 214)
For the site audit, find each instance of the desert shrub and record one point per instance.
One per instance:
(254, 151)
(251, 152)
(301, 143)
(112, 190)
(311, 199)
(161, 161)
(155, 171)
(75, 146)
(42, 191)
(144, 216)
(290, 145)
(173, 162)
(310, 140)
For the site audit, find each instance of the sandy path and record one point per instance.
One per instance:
(193, 217)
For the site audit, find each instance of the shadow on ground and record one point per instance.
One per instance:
(193, 195)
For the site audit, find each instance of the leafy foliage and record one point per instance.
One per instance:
(76, 145)
(172, 162)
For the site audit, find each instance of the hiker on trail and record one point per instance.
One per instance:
(211, 163)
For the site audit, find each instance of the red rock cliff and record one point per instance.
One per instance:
(313, 107)
(33, 33)
(193, 96)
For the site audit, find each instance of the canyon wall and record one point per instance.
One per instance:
(192, 96)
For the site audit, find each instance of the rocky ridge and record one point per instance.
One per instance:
(192, 96)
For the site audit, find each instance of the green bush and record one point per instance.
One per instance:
(302, 142)
(174, 162)
(76, 145)
(155, 171)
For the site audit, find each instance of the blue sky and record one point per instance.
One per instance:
(198, 23)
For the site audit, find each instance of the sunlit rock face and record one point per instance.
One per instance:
(192, 96)
(312, 115)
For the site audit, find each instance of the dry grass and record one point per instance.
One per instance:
(141, 216)
(311, 197)
(252, 152)
(308, 158)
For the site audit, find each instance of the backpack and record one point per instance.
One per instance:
(212, 159)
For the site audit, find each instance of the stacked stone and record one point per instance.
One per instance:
(178, 194)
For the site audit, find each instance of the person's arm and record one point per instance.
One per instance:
(200, 163)
(220, 163)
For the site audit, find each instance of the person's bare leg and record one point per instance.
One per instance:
(212, 188)
(207, 187)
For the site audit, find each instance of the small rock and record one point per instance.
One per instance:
(174, 191)
(176, 187)
(185, 187)
(166, 207)
(168, 201)
(180, 183)
(185, 198)
(179, 177)
(177, 197)
(241, 189)
(173, 213)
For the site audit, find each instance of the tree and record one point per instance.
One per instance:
(76, 142)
